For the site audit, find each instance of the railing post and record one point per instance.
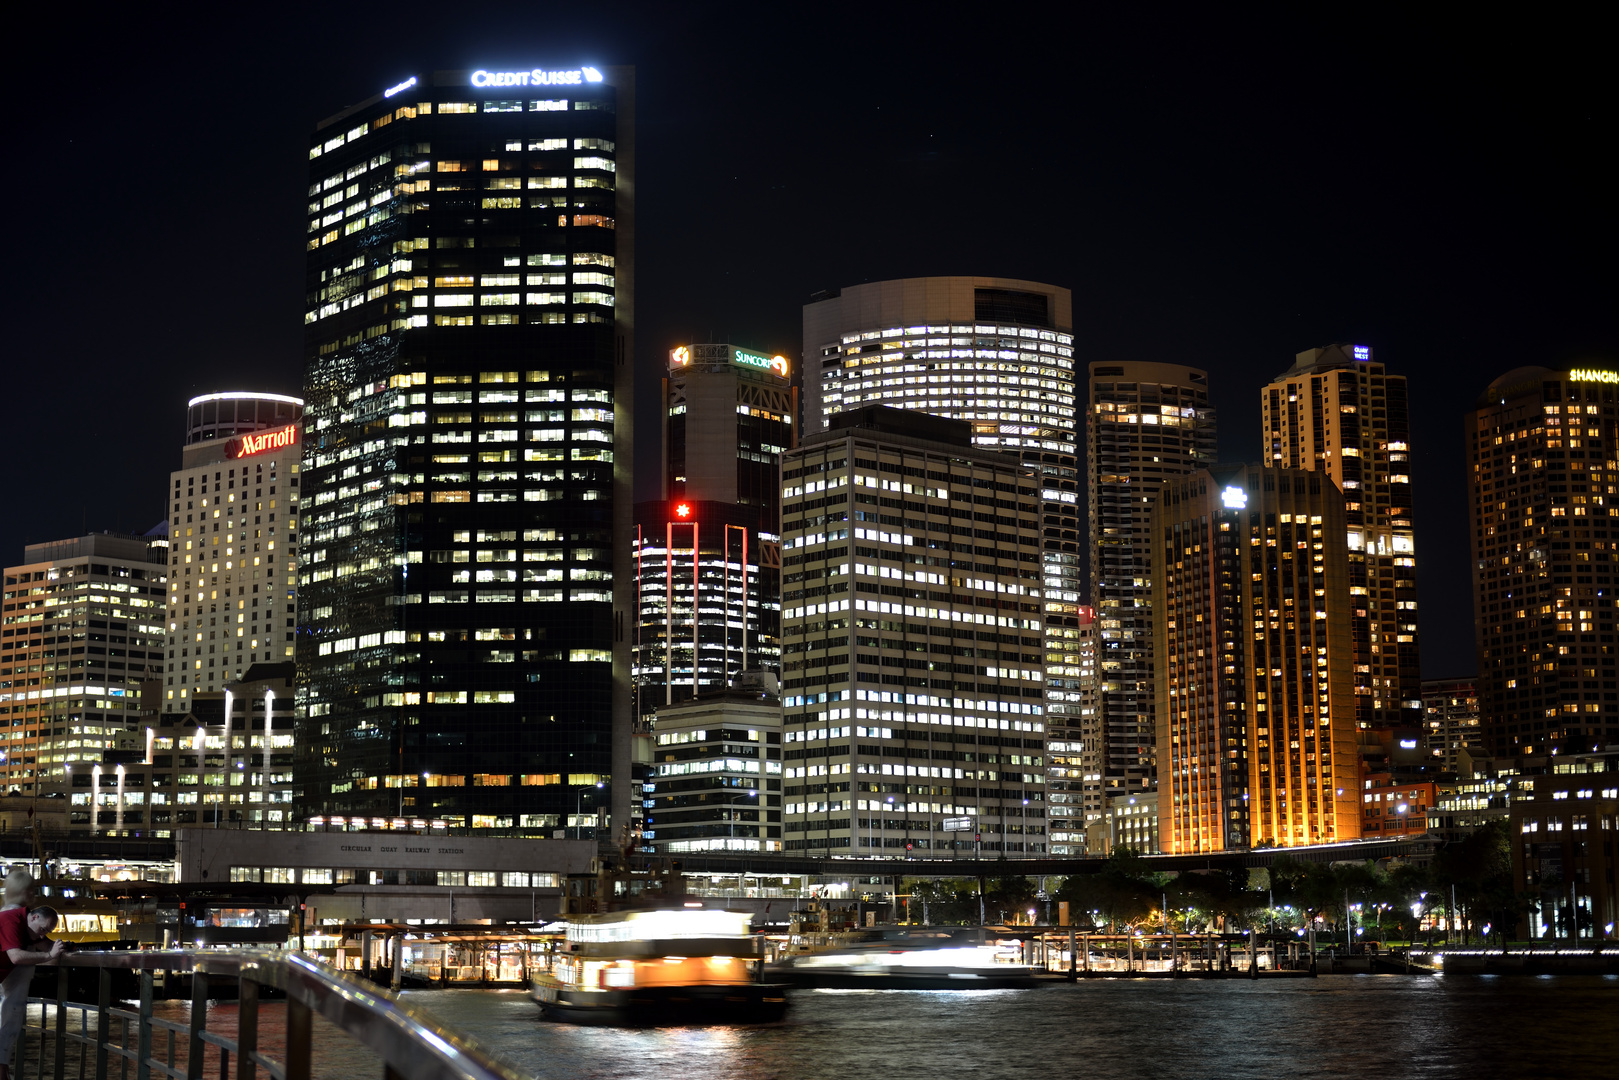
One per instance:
(299, 1038)
(195, 1048)
(247, 1027)
(143, 1037)
(61, 1023)
(103, 1021)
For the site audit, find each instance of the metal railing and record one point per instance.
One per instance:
(412, 1045)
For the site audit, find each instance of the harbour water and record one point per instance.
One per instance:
(1347, 1025)
(1472, 1027)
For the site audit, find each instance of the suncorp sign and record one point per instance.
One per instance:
(778, 364)
(536, 77)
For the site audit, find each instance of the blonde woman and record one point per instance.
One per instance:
(19, 892)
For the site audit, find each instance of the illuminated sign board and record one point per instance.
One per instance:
(406, 85)
(1362, 352)
(265, 441)
(1233, 498)
(681, 356)
(683, 511)
(1593, 375)
(536, 77)
(778, 364)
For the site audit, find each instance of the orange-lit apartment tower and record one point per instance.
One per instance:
(1337, 411)
(1252, 643)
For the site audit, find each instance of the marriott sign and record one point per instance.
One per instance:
(264, 441)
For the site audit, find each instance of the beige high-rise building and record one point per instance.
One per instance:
(1338, 412)
(233, 527)
(1147, 423)
(1252, 643)
(999, 354)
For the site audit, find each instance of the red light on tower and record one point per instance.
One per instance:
(683, 511)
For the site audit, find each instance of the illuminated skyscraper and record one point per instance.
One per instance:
(464, 612)
(1254, 697)
(1545, 450)
(912, 614)
(233, 526)
(708, 555)
(81, 641)
(1338, 412)
(997, 353)
(1074, 749)
(1147, 423)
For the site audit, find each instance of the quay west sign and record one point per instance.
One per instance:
(263, 442)
(536, 77)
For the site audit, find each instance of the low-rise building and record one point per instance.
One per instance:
(1565, 822)
(1481, 793)
(716, 773)
(1127, 821)
(1391, 807)
(225, 761)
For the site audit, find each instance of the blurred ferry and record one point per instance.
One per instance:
(912, 958)
(661, 966)
(636, 951)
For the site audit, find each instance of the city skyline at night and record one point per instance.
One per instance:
(1431, 259)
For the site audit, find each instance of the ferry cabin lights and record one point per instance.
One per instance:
(536, 77)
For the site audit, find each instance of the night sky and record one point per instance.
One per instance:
(1217, 189)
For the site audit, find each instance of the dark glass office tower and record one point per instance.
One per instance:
(461, 647)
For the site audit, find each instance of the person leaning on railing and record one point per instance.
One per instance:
(21, 932)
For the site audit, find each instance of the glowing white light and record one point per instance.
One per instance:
(1233, 498)
(406, 85)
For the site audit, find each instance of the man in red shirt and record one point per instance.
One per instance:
(22, 932)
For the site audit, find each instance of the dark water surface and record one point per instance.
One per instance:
(1336, 1026)
(1384, 1027)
